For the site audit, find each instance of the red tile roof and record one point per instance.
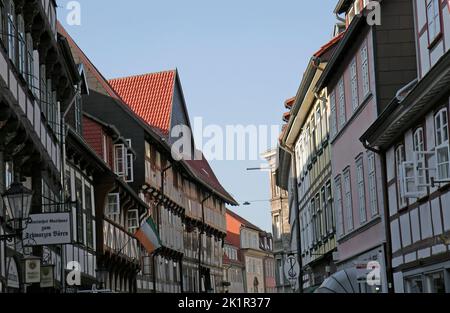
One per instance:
(243, 221)
(150, 96)
(155, 91)
(289, 103)
(328, 45)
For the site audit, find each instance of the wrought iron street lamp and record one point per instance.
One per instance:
(17, 200)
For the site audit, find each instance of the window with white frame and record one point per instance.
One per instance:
(9, 174)
(307, 144)
(365, 70)
(78, 114)
(12, 32)
(434, 19)
(120, 160)
(341, 93)
(313, 213)
(298, 158)
(277, 226)
(30, 62)
(354, 84)
(2, 22)
(112, 204)
(324, 209)
(129, 174)
(361, 190)
(319, 213)
(318, 124)
(133, 221)
(442, 145)
(330, 209)
(338, 205)
(420, 161)
(105, 148)
(373, 200)
(324, 120)
(22, 45)
(399, 160)
(333, 122)
(348, 199)
(312, 135)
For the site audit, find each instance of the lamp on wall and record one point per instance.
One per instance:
(17, 200)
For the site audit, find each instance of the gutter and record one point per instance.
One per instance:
(386, 213)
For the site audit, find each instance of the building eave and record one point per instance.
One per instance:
(402, 115)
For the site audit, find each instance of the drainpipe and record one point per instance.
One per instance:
(297, 218)
(63, 171)
(387, 226)
(200, 244)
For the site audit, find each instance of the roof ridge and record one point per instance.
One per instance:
(143, 75)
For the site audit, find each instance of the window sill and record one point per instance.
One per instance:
(353, 117)
(435, 41)
(360, 229)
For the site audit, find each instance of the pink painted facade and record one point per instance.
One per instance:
(360, 228)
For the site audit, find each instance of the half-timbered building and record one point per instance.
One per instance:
(37, 78)
(412, 138)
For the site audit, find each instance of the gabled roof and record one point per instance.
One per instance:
(326, 47)
(245, 223)
(150, 96)
(199, 170)
(87, 63)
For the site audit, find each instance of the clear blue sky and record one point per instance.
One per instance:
(238, 61)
